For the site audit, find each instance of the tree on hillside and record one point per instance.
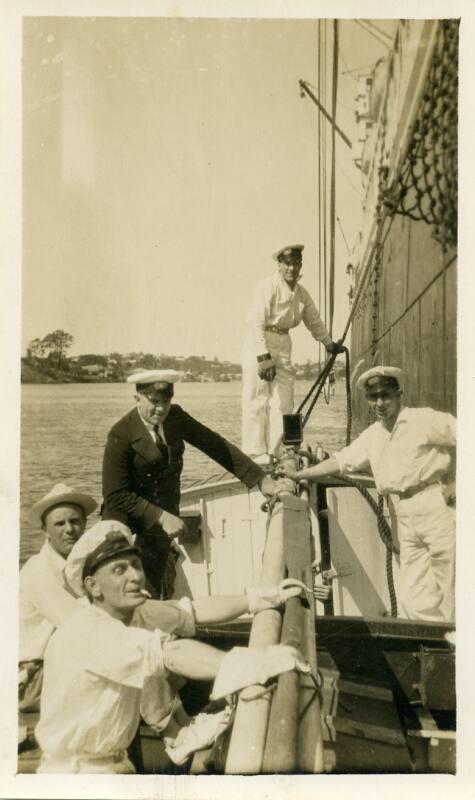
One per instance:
(56, 344)
(148, 361)
(35, 350)
(92, 358)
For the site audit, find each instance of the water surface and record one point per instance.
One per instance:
(64, 429)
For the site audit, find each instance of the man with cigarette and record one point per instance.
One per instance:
(101, 673)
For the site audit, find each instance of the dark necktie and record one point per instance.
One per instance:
(160, 442)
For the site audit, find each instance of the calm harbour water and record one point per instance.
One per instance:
(64, 429)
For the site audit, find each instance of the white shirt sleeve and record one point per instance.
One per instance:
(354, 457)
(126, 655)
(312, 320)
(441, 429)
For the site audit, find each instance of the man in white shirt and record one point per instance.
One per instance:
(279, 303)
(45, 598)
(411, 453)
(101, 673)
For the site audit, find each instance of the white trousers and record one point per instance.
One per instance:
(426, 532)
(264, 402)
(117, 764)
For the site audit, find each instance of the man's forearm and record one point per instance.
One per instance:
(219, 609)
(328, 467)
(192, 659)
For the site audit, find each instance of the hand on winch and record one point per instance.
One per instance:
(271, 487)
(287, 469)
(263, 597)
(321, 591)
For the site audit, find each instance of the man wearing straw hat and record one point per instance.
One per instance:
(101, 673)
(45, 598)
(279, 303)
(142, 466)
(410, 452)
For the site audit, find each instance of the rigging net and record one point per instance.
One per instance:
(426, 187)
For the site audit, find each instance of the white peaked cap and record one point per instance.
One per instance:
(104, 540)
(146, 376)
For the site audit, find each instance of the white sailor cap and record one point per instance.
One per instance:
(105, 540)
(58, 496)
(381, 378)
(287, 250)
(159, 379)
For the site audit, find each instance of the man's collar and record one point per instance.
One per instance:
(401, 417)
(148, 425)
(284, 283)
(58, 561)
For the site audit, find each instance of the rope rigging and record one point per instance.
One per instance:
(426, 187)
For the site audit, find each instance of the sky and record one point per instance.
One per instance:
(164, 161)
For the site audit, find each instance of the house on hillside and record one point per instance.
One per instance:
(94, 370)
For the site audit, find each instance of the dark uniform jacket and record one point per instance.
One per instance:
(137, 481)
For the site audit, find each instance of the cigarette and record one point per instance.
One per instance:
(144, 593)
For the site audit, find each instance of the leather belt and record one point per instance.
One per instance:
(276, 329)
(413, 490)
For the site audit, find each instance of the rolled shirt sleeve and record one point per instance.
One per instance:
(125, 655)
(312, 320)
(354, 457)
(441, 429)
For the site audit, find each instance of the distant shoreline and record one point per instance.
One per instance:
(32, 375)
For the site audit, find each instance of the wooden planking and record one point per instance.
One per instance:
(233, 535)
(432, 370)
(192, 578)
(407, 332)
(232, 563)
(246, 748)
(410, 359)
(258, 526)
(393, 284)
(358, 555)
(425, 259)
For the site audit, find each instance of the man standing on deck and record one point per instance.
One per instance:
(101, 673)
(410, 452)
(278, 304)
(142, 466)
(45, 598)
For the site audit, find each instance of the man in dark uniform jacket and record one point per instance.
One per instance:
(143, 461)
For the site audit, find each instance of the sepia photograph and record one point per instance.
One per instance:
(237, 401)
